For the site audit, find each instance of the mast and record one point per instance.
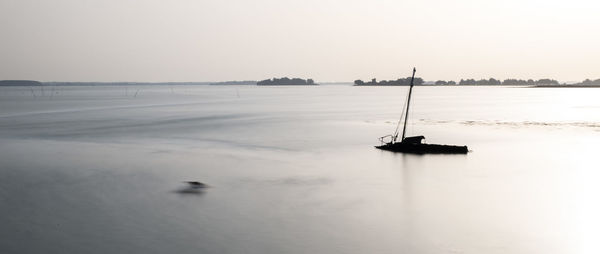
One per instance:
(408, 103)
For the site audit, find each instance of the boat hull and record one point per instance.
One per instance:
(423, 148)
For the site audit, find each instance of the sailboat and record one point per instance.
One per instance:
(415, 144)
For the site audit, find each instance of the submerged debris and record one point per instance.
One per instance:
(193, 187)
(197, 185)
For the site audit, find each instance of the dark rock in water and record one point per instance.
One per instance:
(197, 185)
(193, 187)
(20, 83)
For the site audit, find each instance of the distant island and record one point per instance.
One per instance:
(309, 82)
(398, 82)
(506, 82)
(520, 82)
(235, 83)
(585, 83)
(20, 83)
(482, 82)
(286, 82)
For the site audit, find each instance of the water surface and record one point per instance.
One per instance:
(293, 170)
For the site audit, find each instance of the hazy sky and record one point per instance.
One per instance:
(327, 40)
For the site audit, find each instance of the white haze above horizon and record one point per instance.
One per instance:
(327, 40)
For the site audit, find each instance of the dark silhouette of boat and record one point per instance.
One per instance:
(415, 144)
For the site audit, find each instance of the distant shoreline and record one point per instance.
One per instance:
(30, 83)
(285, 81)
(53, 83)
(566, 86)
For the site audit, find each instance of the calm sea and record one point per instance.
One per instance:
(100, 169)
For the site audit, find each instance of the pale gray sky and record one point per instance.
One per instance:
(327, 40)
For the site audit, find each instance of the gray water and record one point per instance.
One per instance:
(294, 170)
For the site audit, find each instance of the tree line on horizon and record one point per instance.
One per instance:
(397, 82)
(285, 81)
(298, 81)
(589, 82)
(473, 82)
(507, 82)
